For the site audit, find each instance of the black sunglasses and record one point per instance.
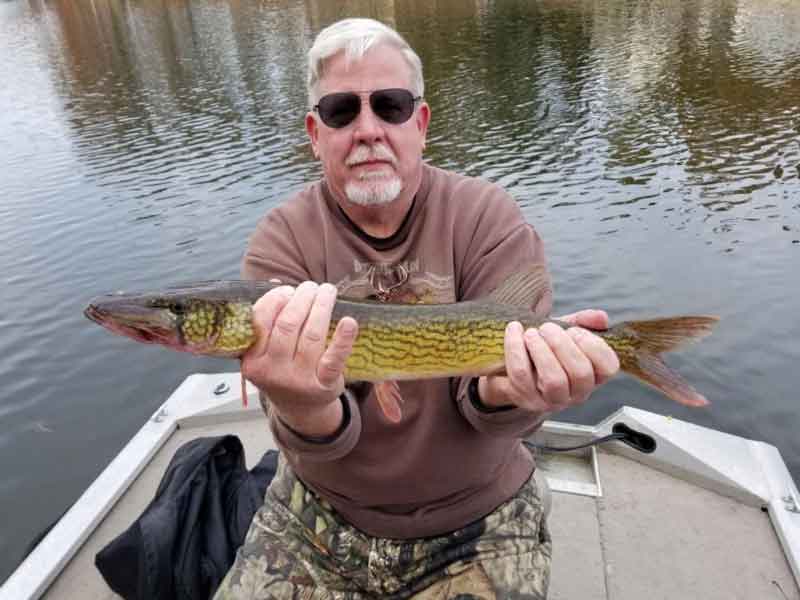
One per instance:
(394, 105)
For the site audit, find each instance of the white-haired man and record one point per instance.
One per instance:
(431, 497)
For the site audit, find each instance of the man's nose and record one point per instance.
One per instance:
(368, 125)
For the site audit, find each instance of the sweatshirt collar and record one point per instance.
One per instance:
(399, 236)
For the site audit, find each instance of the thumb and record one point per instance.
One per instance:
(332, 362)
(590, 319)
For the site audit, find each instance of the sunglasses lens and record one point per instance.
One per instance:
(393, 105)
(339, 110)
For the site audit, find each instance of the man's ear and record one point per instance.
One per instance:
(312, 129)
(422, 120)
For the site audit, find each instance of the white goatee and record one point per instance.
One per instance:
(374, 187)
(373, 191)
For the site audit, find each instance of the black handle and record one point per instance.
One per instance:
(620, 432)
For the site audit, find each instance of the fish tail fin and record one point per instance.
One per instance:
(638, 345)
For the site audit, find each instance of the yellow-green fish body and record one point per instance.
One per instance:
(395, 341)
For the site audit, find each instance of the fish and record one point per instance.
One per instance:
(396, 342)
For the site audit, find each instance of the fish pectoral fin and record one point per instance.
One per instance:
(389, 399)
(244, 385)
(524, 288)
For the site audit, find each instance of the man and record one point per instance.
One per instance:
(433, 495)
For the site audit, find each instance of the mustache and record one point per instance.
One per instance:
(364, 153)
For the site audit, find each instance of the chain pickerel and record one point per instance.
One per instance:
(395, 341)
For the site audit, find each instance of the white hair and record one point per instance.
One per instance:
(355, 37)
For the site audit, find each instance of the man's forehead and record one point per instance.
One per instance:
(381, 67)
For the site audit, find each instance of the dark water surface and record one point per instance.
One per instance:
(654, 144)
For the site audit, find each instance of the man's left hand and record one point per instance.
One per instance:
(549, 368)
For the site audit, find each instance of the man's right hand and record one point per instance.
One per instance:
(289, 361)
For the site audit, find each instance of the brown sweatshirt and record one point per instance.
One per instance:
(448, 462)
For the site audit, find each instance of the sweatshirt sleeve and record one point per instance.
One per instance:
(502, 421)
(273, 253)
(329, 448)
(499, 244)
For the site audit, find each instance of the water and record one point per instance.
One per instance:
(653, 144)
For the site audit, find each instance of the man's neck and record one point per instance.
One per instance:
(382, 220)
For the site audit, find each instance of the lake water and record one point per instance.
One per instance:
(653, 144)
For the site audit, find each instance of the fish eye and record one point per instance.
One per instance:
(177, 308)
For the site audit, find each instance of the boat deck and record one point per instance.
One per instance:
(650, 535)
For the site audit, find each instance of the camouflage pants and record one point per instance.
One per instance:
(298, 547)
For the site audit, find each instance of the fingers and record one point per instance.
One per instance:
(311, 342)
(551, 380)
(332, 363)
(518, 365)
(604, 360)
(285, 334)
(265, 311)
(576, 377)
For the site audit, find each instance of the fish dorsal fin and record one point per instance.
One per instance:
(524, 288)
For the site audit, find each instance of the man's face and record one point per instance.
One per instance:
(369, 161)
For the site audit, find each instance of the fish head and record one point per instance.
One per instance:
(183, 323)
(135, 317)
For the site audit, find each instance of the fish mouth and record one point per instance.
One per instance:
(142, 324)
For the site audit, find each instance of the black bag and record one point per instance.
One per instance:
(186, 539)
